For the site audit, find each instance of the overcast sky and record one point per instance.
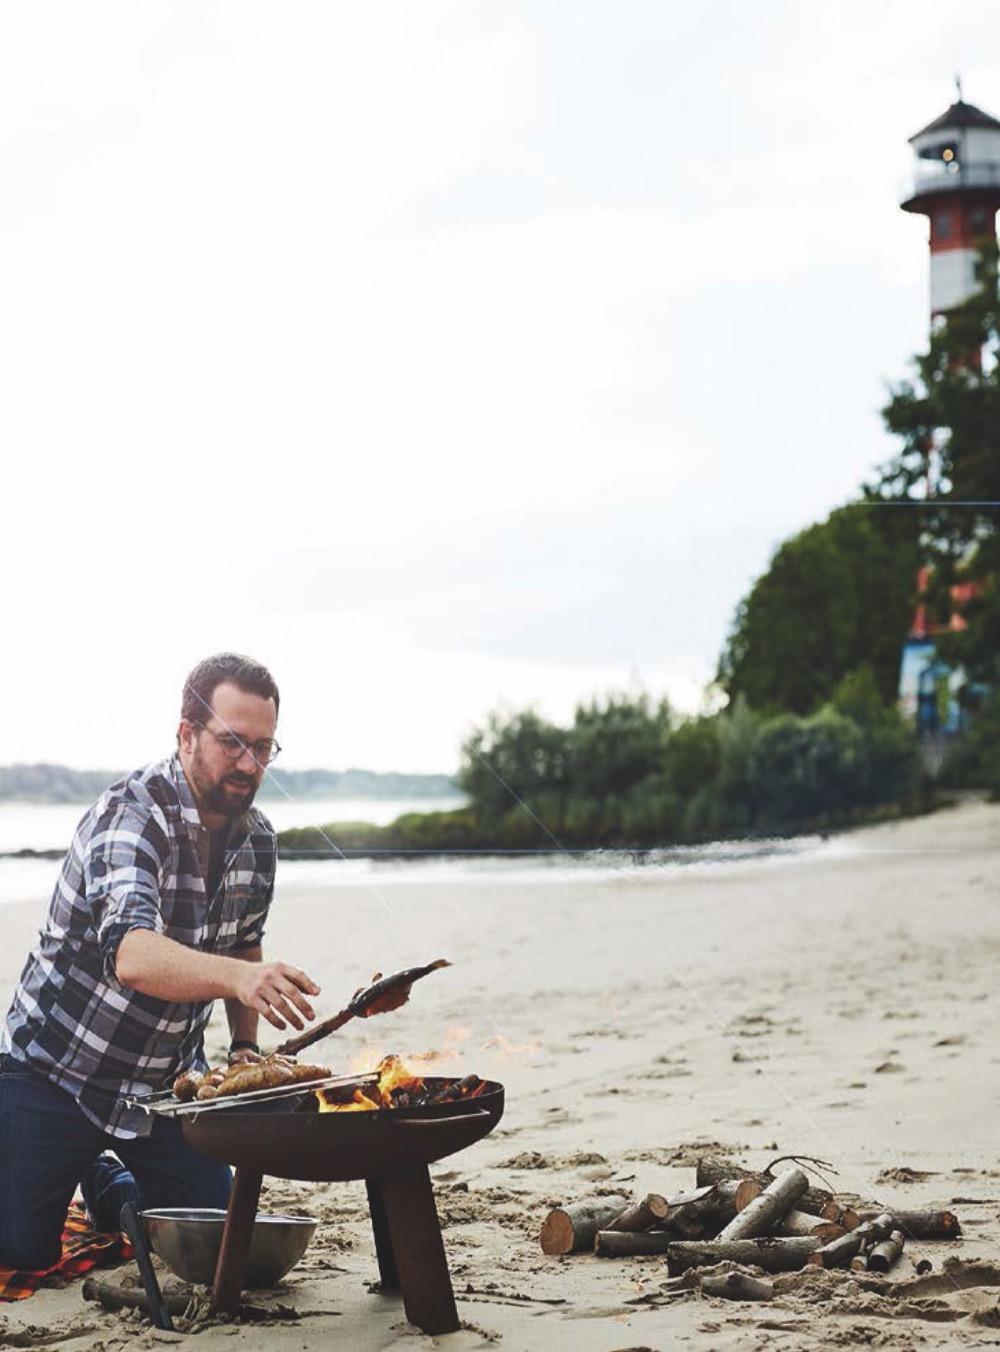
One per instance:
(436, 354)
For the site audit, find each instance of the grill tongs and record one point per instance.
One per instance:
(164, 1104)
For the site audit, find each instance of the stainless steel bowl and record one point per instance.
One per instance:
(188, 1240)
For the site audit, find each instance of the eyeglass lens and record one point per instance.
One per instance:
(262, 752)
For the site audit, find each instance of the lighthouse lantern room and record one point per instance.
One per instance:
(956, 184)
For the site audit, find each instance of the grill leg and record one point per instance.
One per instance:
(388, 1274)
(415, 1232)
(236, 1236)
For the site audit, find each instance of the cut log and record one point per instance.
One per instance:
(113, 1297)
(711, 1169)
(844, 1216)
(702, 1214)
(747, 1191)
(839, 1252)
(568, 1229)
(628, 1244)
(801, 1223)
(764, 1212)
(928, 1224)
(884, 1255)
(737, 1286)
(773, 1255)
(651, 1210)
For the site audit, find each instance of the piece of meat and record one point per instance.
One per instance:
(263, 1075)
(389, 992)
(186, 1086)
(303, 1073)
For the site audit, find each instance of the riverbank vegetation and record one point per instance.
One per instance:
(811, 736)
(627, 773)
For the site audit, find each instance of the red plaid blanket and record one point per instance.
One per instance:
(82, 1249)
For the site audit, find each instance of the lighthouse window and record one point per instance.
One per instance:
(979, 223)
(942, 225)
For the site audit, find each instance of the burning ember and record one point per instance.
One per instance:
(397, 1087)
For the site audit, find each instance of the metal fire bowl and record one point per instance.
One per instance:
(301, 1143)
(188, 1240)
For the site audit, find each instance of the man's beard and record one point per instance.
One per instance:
(230, 797)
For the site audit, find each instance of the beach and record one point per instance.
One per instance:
(838, 1001)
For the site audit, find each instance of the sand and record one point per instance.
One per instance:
(841, 1003)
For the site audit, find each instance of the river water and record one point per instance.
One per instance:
(51, 826)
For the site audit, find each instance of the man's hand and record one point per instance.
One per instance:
(277, 991)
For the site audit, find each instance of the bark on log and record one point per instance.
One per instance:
(641, 1215)
(568, 1229)
(773, 1255)
(840, 1251)
(885, 1254)
(628, 1244)
(928, 1224)
(765, 1211)
(113, 1297)
(801, 1223)
(710, 1169)
(702, 1214)
(737, 1286)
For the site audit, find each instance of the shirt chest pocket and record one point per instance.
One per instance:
(230, 915)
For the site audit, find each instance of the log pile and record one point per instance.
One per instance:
(778, 1222)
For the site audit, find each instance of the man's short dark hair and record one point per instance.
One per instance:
(243, 672)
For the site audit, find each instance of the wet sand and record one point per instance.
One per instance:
(841, 1003)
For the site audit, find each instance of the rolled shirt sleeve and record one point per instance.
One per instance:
(122, 870)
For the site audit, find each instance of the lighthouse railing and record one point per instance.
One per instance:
(930, 182)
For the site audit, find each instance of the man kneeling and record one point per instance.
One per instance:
(159, 910)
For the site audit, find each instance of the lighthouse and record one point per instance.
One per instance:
(956, 184)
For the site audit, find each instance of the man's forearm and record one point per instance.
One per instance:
(158, 966)
(243, 1021)
(155, 965)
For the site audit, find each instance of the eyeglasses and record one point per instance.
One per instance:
(233, 748)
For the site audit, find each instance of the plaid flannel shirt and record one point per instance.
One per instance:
(138, 860)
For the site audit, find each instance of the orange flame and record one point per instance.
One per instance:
(395, 1082)
(393, 1077)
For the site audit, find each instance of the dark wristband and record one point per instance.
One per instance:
(242, 1044)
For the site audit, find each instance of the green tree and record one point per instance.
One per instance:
(893, 765)
(616, 742)
(948, 468)
(836, 596)
(804, 768)
(517, 755)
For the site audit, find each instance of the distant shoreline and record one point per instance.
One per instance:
(44, 784)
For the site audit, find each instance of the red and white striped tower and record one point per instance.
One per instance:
(957, 185)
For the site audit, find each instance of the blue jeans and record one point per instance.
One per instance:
(48, 1147)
